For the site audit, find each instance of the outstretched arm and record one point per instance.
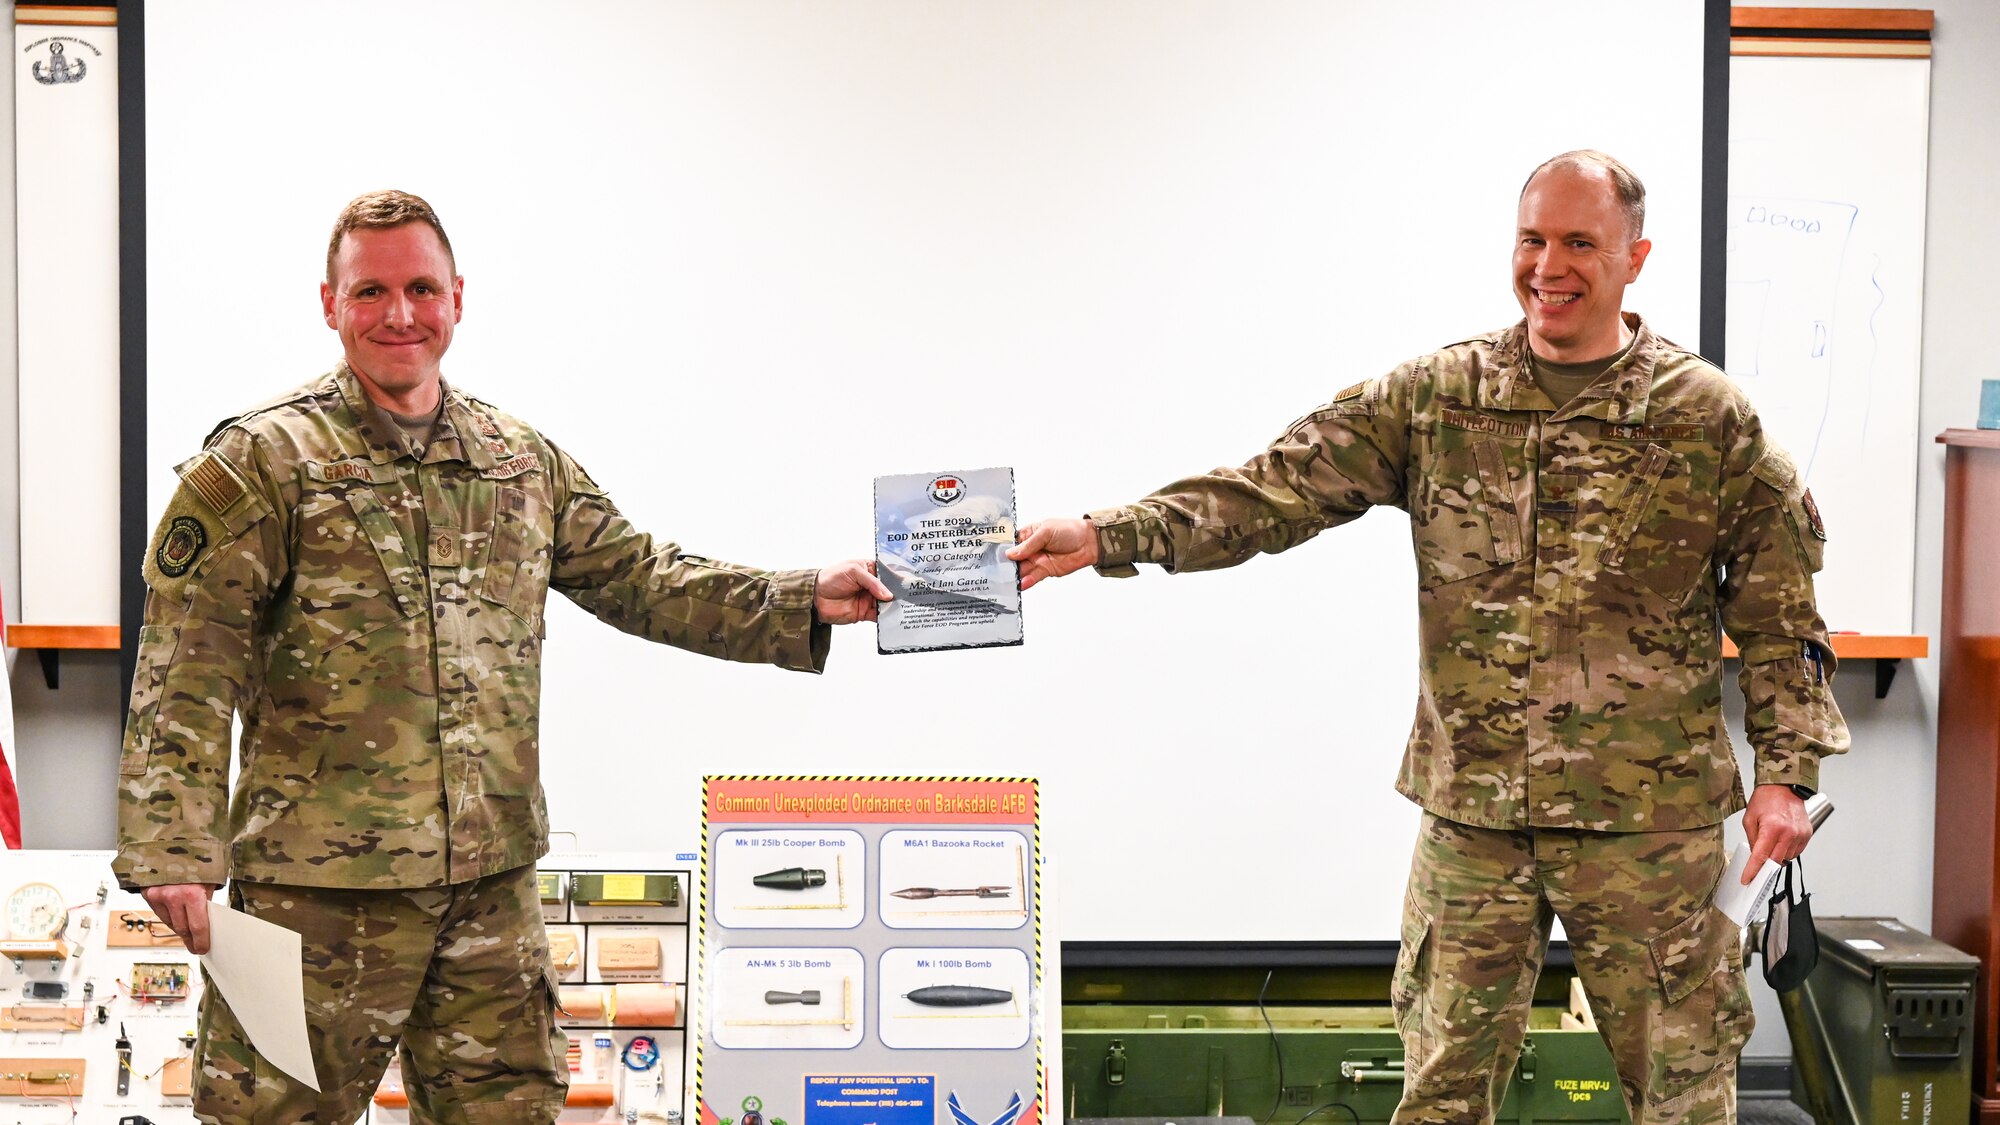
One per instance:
(1327, 468)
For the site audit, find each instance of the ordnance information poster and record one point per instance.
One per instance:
(871, 952)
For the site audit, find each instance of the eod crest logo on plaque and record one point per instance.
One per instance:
(946, 490)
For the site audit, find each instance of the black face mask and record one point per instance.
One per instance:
(1791, 944)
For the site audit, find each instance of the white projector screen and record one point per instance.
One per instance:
(742, 258)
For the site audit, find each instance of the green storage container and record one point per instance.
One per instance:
(1343, 1063)
(1887, 1019)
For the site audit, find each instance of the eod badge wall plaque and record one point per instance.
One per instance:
(871, 952)
(940, 546)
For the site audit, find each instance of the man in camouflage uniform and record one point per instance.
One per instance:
(1575, 484)
(358, 569)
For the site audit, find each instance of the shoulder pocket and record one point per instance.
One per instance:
(210, 509)
(1777, 469)
(156, 653)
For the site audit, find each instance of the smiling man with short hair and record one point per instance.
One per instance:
(1587, 501)
(359, 569)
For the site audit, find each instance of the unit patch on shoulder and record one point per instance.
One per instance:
(180, 546)
(1813, 521)
(214, 481)
(1351, 392)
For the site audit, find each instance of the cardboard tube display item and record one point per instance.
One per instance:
(595, 1005)
(646, 1005)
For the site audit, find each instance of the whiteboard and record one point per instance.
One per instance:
(742, 258)
(1825, 315)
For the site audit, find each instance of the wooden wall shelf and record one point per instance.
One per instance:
(1887, 33)
(62, 636)
(50, 641)
(1887, 651)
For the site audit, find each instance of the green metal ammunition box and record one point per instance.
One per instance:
(608, 888)
(549, 885)
(1341, 1063)
(1886, 1018)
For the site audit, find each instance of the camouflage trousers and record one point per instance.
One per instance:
(1663, 968)
(459, 974)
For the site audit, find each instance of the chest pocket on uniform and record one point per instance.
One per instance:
(353, 575)
(1467, 522)
(517, 575)
(1664, 529)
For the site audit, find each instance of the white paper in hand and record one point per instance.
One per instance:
(1745, 905)
(258, 967)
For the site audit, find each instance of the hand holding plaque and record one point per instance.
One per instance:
(1052, 548)
(941, 542)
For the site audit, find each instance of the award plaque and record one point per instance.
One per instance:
(940, 546)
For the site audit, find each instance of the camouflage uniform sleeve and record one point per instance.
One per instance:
(1770, 545)
(657, 591)
(218, 553)
(1326, 469)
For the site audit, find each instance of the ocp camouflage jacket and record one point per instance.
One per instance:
(376, 622)
(1572, 568)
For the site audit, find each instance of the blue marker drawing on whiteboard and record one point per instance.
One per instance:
(1787, 258)
(1874, 336)
(1824, 328)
